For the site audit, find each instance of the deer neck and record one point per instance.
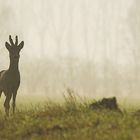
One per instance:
(14, 65)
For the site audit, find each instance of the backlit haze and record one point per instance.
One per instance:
(89, 46)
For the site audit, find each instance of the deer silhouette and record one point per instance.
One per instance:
(10, 78)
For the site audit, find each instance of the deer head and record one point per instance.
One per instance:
(14, 48)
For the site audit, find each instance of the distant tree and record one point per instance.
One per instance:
(6, 20)
(134, 26)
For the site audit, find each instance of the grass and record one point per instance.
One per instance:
(70, 120)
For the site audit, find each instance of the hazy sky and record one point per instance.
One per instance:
(88, 31)
(74, 27)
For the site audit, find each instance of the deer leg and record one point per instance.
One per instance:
(7, 103)
(14, 101)
(0, 92)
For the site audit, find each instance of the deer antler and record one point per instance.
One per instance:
(12, 44)
(11, 41)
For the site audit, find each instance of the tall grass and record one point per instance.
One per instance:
(70, 120)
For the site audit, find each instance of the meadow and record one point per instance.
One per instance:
(71, 119)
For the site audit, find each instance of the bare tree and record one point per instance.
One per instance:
(134, 26)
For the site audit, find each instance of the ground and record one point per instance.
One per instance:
(69, 120)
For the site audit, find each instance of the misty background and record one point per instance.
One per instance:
(90, 46)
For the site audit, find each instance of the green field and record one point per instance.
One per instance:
(71, 119)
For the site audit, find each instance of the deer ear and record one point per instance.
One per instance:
(21, 45)
(7, 45)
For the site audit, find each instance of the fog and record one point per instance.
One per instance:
(89, 46)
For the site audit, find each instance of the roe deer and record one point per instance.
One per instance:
(10, 79)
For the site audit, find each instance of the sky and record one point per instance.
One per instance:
(66, 27)
(87, 46)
